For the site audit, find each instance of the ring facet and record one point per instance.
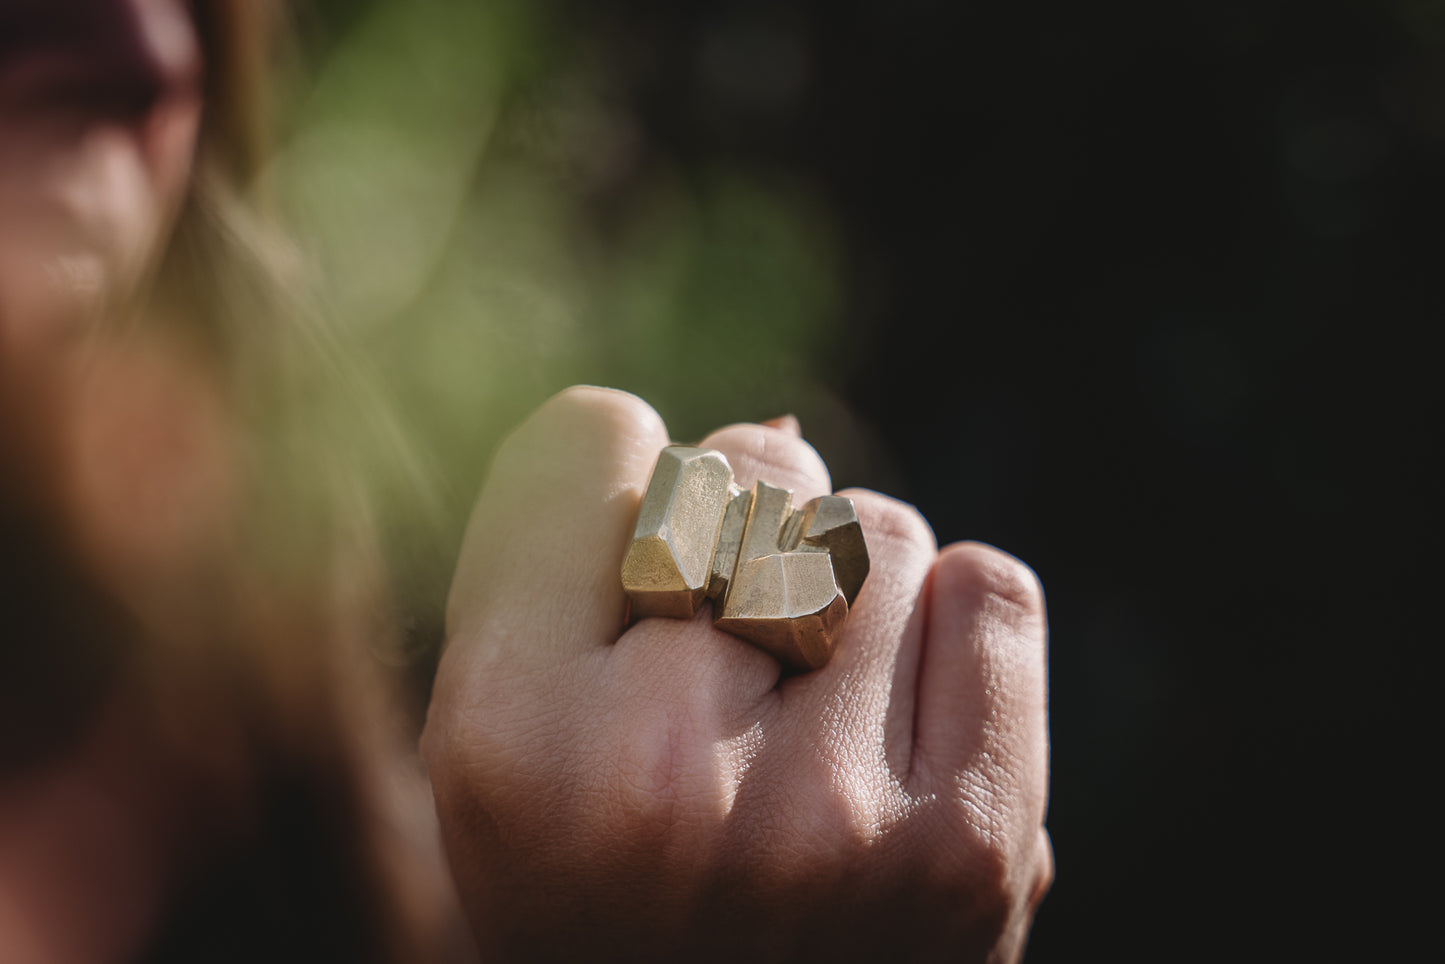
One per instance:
(780, 578)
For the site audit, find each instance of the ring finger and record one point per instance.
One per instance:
(697, 653)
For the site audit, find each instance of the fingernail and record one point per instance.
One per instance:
(788, 423)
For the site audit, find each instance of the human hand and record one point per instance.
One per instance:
(664, 792)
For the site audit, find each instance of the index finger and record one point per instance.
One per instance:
(538, 568)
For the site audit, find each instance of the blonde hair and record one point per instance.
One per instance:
(280, 621)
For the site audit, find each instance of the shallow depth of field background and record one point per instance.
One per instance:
(1136, 291)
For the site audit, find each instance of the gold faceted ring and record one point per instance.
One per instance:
(780, 578)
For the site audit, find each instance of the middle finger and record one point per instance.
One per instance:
(697, 654)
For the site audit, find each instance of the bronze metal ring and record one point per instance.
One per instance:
(780, 578)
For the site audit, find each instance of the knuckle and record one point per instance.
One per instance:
(446, 762)
(966, 857)
(769, 454)
(484, 727)
(610, 430)
(891, 520)
(994, 866)
(981, 825)
(987, 872)
(974, 568)
(432, 746)
(1044, 876)
(437, 744)
(593, 408)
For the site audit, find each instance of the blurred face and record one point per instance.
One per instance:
(100, 105)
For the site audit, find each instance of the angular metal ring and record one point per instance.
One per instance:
(781, 578)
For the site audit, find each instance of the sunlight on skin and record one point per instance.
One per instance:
(674, 767)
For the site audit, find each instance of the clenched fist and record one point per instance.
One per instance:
(664, 791)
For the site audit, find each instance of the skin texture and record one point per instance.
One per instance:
(664, 792)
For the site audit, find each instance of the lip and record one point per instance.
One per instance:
(54, 82)
(110, 58)
(99, 106)
(67, 178)
(78, 208)
(75, 257)
(57, 224)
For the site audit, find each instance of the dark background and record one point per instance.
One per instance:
(1139, 292)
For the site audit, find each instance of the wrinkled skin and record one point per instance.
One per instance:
(664, 792)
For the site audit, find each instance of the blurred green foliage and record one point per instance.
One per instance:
(490, 227)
